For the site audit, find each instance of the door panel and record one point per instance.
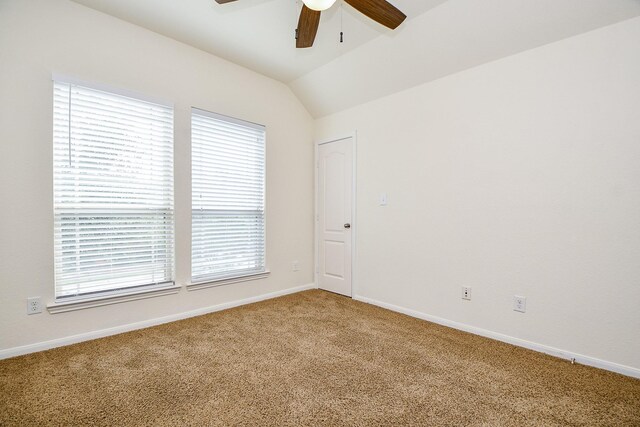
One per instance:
(335, 177)
(334, 259)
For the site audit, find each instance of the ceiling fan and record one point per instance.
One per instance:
(380, 11)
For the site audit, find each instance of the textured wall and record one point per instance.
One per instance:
(518, 177)
(39, 37)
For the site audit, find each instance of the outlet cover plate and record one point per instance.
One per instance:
(34, 305)
(466, 292)
(519, 303)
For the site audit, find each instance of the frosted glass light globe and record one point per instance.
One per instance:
(319, 5)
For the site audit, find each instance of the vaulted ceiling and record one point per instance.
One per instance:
(439, 37)
(258, 34)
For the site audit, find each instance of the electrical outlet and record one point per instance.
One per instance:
(466, 292)
(34, 305)
(520, 303)
(295, 266)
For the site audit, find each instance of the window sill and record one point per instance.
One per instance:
(227, 281)
(81, 304)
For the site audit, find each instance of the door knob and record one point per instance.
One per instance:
(347, 225)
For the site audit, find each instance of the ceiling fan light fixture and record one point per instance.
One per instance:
(319, 5)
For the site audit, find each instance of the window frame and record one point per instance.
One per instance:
(223, 280)
(64, 303)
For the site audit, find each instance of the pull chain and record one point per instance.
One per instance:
(69, 128)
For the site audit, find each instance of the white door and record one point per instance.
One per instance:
(335, 180)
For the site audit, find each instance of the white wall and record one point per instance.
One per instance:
(38, 37)
(521, 176)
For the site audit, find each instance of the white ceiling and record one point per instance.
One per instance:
(257, 34)
(440, 37)
(457, 35)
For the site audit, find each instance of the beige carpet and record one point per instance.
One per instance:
(312, 358)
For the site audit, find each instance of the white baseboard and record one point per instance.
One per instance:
(59, 342)
(563, 354)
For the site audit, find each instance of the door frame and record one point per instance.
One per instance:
(316, 215)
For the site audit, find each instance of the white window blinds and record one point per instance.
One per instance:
(228, 175)
(113, 191)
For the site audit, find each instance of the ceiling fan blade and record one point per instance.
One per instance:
(380, 11)
(224, 1)
(307, 27)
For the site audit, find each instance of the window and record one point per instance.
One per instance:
(228, 174)
(113, 192)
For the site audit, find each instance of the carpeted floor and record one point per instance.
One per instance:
(309, 359)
